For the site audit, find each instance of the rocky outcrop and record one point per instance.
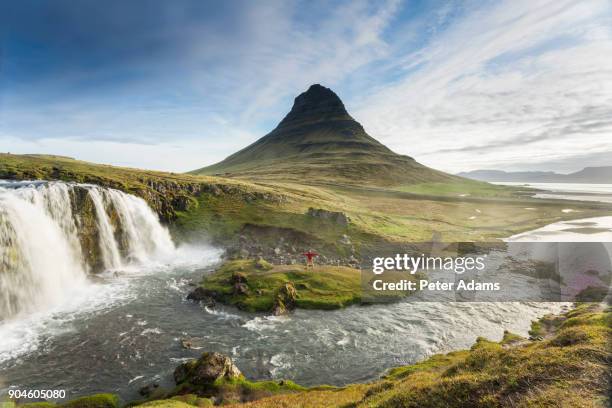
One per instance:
(286, 246)
(166, 194)
(88, 231)
(317, 104)
(148, 390)
(209, 368)
(239, 283)
(285, 300)
(202, 295)
(167, 197)
(336, 217)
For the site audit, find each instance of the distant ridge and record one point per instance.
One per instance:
(595, 175)
(319, 141)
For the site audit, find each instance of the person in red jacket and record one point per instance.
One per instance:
(310, 258)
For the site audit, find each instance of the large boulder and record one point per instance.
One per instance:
(240, 289)
(238, 277)
(285, 300)
(202, 295)
(239, 283)
(207, 369)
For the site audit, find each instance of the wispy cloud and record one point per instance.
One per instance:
(508, 85)
(287, 49)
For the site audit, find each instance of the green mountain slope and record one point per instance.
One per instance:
(318, 141)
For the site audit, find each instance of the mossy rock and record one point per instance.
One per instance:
(239, 277)
(286, 299)
(206, 370)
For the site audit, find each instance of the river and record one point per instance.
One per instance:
(123, 330)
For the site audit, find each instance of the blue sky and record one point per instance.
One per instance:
(177, 85)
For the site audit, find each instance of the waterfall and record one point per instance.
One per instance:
(54, 234)
(108, 244)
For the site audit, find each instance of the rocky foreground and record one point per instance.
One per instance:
(565, 363)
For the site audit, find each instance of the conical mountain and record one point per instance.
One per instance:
(318, 141)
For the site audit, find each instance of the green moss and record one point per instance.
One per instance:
(598, 319)
(262, 265)
(378, 388)
(94, 401)
(241, 390)
(485, 344)
(270, 386)
(482, 353)
(536, 329)
(38, 405)
(582, 309)
(465, 390)
(194, 400)
(434, 362)
(232, 391)
(168, 403)
(511, 338)
(571, 336)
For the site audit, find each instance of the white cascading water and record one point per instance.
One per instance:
(143, 231)
(41, 258)
(108, 244)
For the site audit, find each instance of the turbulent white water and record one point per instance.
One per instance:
(43, 231)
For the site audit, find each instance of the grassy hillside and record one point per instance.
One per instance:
(40, 166)
(165, 192)
(222, 208)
